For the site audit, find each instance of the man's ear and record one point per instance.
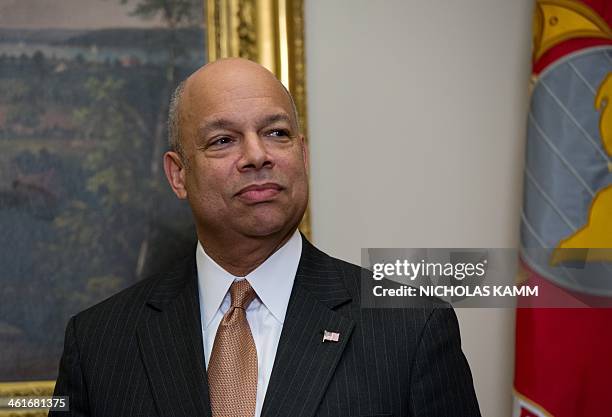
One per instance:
(175, 173)
(305, 153)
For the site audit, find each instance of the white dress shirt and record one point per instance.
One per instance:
(272, 281)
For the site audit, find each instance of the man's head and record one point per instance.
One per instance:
(238, 156)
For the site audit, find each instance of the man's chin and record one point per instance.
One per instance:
(268, 225)
(265, 229)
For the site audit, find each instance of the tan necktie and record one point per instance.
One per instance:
(232, 369)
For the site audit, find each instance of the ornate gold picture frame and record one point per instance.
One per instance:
(267, 31)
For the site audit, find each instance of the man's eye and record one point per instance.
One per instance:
(279, 133)
(223, 140)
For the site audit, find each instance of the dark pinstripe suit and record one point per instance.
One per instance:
(140, 352)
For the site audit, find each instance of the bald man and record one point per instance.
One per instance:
(256, 321)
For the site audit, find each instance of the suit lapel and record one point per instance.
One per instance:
(304, 364)
(170, 342)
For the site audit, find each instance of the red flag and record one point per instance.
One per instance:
(564, 355)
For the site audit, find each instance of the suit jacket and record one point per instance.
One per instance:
(139, 353)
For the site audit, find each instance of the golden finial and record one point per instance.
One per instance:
(556, 21)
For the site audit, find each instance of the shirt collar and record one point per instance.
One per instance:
(272, 280)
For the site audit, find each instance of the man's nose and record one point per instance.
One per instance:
(254, 153)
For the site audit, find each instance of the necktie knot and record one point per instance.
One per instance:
(242, 294)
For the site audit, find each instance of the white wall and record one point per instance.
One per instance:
(416, 126)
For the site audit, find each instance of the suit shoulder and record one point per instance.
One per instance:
(125, 301)
(353, 275)
(131, 295)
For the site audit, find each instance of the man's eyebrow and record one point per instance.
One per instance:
(215, 124)
(273, 118)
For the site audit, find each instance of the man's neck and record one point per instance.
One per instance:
(243, 256)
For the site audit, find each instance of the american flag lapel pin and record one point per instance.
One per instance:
(330, 336)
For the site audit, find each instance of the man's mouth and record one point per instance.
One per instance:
(258, 193)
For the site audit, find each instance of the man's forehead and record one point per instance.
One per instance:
(227, 92)
(234, 89)
(207, 96)
(236, 104)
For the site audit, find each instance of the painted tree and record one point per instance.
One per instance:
(175, 15)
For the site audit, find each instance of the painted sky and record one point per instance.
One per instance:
(69, 14)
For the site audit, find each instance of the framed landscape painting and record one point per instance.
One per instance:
(85, 209)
